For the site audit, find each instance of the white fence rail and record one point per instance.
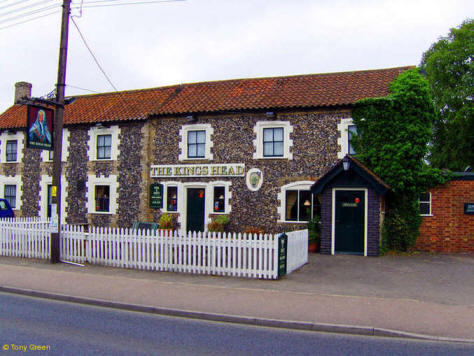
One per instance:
(297, 250)
(231, 254)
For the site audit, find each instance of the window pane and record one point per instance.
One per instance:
(278, 134)
(424, 208)
(278, 149)
(425, 197)
(201, 137)
(192, 150)
(107, 152)
(102, 198)
(10, 195)
(291, 205)
(219, 199)
(11, 151)
(200, 150)
(305, 205)
(108, 140)
(51, 155)
(268, 149)
(351, 130)
(192, 137)
(267, 135)
(172, 198)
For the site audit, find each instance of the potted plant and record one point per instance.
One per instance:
(218, 223)
(167, 222)
(314, 234)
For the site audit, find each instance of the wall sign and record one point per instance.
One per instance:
(40, 127)
(156, 196)
(254, 179)
(469, 208)
(198, 170)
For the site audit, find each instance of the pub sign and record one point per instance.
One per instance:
(40, 127)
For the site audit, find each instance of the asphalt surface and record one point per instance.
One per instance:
(431, 295)
(72, 329)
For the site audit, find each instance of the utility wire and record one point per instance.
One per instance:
(29, 20)
(46, 8)
(124, 4)
(92, 54)
(73, 86)
(26, 7)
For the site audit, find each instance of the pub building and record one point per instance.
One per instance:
(251, 149)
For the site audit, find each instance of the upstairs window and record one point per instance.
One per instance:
(196, 144)
(273, 142)
(11, 151)
(10, 194)
(104, 146)
(425, 204)
(351, 132)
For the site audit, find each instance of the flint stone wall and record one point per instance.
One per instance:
(314, 152)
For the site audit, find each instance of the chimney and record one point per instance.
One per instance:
(22, 89)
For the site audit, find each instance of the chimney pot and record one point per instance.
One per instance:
(22, 89)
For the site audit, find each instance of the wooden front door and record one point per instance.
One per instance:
(350, 221)
(196, 202)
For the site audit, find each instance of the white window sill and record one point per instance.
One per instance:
(426, 215)
(102, 213)
(292, 222)
(103, 160)
(196, 159)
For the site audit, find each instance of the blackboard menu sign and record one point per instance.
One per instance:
(282, 254)
(156, 196)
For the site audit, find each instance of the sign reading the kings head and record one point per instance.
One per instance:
(198, 170)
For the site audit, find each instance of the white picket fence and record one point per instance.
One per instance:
(25, 237)
(231, 254)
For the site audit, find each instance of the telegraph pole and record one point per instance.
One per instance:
(58, 127)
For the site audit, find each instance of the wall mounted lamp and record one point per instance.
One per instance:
(346, 163)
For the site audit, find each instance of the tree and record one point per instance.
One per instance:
(449, 66)
(392, 140)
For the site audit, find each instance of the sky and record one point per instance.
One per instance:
(164, 43)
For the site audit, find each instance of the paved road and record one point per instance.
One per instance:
(72, 329)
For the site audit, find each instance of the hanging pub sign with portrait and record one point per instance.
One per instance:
(40, 127)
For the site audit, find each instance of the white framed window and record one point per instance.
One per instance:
(296, 202)
(196, 142)
(47, 156)
(46, 183)
(273, 140)
(425, 204)
(11, 147)
(102, 194)
(11, 189)
(104, 143)
(346, 129)
(170, 197)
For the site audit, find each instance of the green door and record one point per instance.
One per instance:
(196, 199)
(350, 212)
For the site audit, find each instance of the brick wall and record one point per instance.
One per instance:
(449, 229)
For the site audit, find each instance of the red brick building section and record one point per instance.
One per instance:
(449, 229)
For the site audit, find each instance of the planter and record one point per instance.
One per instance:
(313, 247)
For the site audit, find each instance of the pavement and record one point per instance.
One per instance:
(420, 296)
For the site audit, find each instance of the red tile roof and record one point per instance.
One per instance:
(292, 92)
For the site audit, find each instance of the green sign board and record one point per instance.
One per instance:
(156, 196)
(282, 254)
